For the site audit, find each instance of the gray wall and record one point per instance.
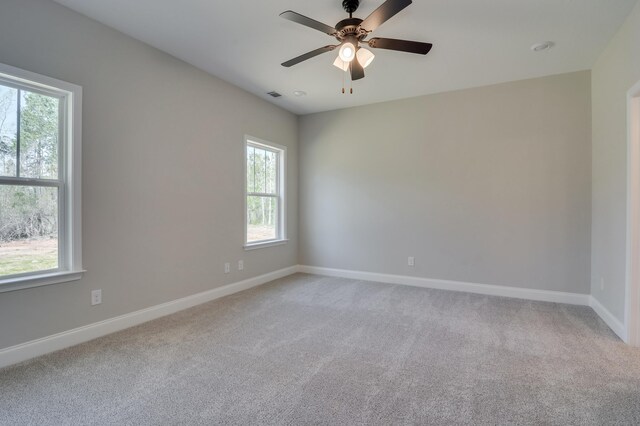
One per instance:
(489, 185)
(162, 161)
(615, 72)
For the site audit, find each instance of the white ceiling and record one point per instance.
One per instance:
(476, 42)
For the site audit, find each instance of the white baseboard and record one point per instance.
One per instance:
(65, 339)
(613, 323)
(492, 290)
(34, 348)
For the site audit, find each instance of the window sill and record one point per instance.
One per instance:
(255, 246)
(20, 283)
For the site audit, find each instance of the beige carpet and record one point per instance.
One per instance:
(314, 350)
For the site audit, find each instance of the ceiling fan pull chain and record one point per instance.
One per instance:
(350, 78)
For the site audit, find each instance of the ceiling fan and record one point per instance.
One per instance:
(352, 33)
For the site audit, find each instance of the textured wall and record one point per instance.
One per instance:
(489, 185)
(162, 163)
(615, 72)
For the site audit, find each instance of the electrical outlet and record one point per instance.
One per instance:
(411, 261)
(601, 284)
(96, 297)
(240, 265)
(227, 268)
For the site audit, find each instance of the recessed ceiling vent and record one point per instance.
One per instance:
(274, 94)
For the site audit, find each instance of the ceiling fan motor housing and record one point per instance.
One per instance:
(350, 28)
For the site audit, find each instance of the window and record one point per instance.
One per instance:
(39, 180)
(264, 193)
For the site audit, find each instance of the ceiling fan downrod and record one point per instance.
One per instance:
(350, 6)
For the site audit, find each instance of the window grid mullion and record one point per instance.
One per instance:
(31, 182)
(260, 194)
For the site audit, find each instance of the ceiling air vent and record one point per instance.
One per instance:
(274, 94)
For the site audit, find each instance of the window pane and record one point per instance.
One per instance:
(259, 170)
(271, 172)
(28, 229)
(8, 130)
(251, 154)
(261, 218)
(39, 131)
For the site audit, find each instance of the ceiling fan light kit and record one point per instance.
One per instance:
(339, 63)
(365, 57)
(352, 33)
(348, 50)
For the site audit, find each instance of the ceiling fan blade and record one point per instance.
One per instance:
(308, 55)
(308, 22)
(357, 72)
(401, 45)
(383, 13)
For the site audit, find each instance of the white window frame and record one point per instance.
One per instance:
(630, 330)
(281, 227)
(68, 182)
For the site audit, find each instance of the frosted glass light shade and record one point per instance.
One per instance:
(344, 66)
(365, 57)
(347, 51)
